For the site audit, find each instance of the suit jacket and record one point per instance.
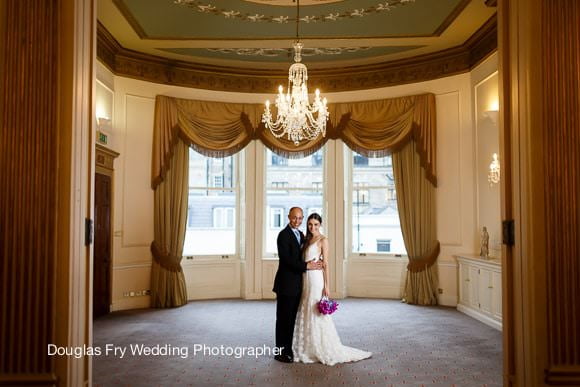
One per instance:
(288, 279)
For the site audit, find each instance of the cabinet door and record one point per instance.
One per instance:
(473, 286)
(496, 294)
(485, 289)
(464, 295)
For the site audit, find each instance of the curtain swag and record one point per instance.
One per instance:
(372, 128)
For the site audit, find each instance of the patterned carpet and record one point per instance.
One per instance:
(411, 345)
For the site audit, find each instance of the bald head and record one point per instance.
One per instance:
(295, 217)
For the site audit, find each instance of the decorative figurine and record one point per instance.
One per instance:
(484, 252)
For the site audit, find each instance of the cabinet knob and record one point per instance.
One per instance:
(490, 287)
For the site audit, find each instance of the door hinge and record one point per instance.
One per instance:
(88, 231)
(508, 232)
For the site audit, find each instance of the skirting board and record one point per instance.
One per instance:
(447, 300)
(128, 303)
(481, 317)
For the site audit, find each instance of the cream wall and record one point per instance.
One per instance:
(248, 275)
(484, 81)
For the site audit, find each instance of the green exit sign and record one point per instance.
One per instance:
(102, 138)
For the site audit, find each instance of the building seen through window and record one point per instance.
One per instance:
(212, 206)
(375, 218)
(289, 183)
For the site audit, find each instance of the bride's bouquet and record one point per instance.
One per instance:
(327, 305)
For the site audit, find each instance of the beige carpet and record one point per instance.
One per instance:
(411, 345)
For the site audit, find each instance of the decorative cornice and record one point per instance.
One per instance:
(128, 63)
(483, 42)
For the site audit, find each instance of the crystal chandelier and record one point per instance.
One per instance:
(296, 118)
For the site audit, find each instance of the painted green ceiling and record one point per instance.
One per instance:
(165, 19)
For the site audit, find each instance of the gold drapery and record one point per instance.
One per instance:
(416, 204)
(372, 128)
(167, 280)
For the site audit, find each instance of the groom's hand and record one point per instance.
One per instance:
(314, 265)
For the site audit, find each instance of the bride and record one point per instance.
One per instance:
(315, 337)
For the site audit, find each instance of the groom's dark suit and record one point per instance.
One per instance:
(288, 286)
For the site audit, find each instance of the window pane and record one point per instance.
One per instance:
(294, 173)
(375, 218)
(210, 172)
(212, 227)
(291, 183)
(304, 199)
(211, 216)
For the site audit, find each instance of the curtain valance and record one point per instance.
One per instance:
(371, 128)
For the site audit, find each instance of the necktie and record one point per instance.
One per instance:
(297, 235)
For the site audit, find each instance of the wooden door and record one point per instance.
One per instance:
(102, 247)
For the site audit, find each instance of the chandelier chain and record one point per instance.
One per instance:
(296, 118)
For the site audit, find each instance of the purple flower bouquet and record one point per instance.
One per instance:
(327, 306)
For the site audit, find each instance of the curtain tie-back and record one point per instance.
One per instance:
(164, 259)
(418, 264)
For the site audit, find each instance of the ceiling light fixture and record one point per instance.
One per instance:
(296, 118)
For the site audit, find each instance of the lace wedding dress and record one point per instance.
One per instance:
(315, 337)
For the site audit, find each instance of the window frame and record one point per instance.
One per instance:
(349, 188)
(285, 190)
(237, 159)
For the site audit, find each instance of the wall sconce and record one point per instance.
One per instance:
(492, 115)
(492, 112)
(494, 171)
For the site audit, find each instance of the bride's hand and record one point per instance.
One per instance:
(325, 292)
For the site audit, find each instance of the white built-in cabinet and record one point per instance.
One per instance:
(480, 289)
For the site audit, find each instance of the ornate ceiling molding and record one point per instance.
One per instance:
(287, 52)
(207, 7)
(133, 64)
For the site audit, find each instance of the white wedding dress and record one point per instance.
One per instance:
(315, 337)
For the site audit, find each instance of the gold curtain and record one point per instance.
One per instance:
(404, 127)
(167, 280)
(217, 129)
(416, 203)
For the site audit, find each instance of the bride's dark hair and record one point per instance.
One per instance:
(315, 216)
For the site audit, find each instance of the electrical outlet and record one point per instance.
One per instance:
(126, 294)
(131, 294)
(146, 292)
(138, 293)
(440, 291)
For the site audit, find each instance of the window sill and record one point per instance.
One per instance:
(379, 258)
(209, 259)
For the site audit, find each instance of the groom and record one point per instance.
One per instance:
(288, 282)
